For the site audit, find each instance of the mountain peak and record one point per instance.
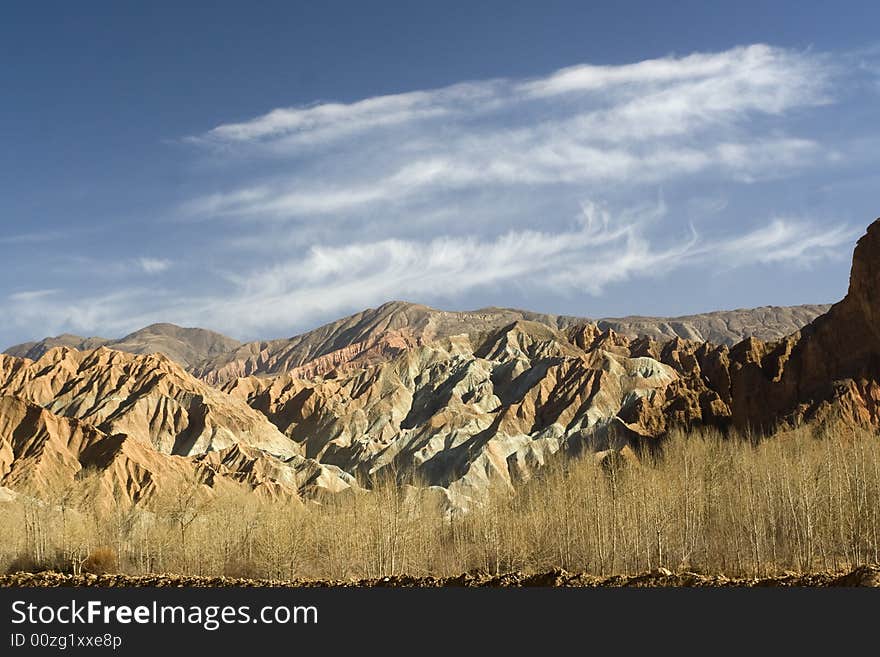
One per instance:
(864, 283)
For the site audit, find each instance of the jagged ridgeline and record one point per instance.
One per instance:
(456, 401)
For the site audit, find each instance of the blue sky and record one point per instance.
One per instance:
(261, 169)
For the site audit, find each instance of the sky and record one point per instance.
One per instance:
(262, 168)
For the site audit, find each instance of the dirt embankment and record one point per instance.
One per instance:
(868, 575)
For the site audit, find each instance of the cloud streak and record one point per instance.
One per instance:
(599, 251)
(542, 163)
(152, 265)
(757, 77)
(639, 124)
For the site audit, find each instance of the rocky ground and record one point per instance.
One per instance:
(868, 575)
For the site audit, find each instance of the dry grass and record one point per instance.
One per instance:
(799, 502)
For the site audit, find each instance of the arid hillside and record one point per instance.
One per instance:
(182, 345)
(457, 402)
(143, 424)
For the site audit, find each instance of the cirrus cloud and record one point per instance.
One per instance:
(600, 249)
(651, 122)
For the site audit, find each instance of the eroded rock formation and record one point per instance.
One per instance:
(145, 426)
(452, 401)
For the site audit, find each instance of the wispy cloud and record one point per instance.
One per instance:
(601, 249)
(31, 295)
(539, 164)
(698, 86)
(643, 123)
(152, 265)
(113, 313)
(783, 240)
(328, 121)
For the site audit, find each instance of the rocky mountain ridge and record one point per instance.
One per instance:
(144, 425)
(453, 403)
(186, 346)
(375, 334)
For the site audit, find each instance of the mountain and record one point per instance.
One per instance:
(459, 412)
(831, 366)
(465, 410)
(149, 398)
(46, 455)
(144, 424)
(186, 346)
(34, 350)
(377, 334)
(182, 345)
(720, 327)
(366, 337)
(462, 411)
(828, 369)
(456, 402)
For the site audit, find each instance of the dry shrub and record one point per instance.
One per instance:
(240, 569)
(27, 563)
(101, 560)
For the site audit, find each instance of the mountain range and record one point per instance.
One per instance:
(186, 346)
(377, 333)
(452, 401)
